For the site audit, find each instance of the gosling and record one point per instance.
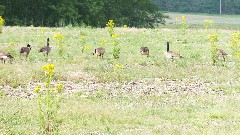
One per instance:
(46, 49)
(171, 54)
(99, 52)
(222, 53)
(25, 51)
(5, 56)
(144, 51)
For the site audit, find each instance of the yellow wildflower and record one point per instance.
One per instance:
(12, 43)
(236, 35)
(114, 35)
(47, 84)
(183, 19)
(208, 21)
(213, 38)
(103, 40)
(43, 29)
(51, 66)
(49, 69)
(58, 36)
(237, 54)
(83, 37)
(235, 41)
(118, 67)
(37, 89)
(110, 24)
(2, 21)
(59, 88)
(87, 46)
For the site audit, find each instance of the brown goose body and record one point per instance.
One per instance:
(99, 52)
(5, 56)
(222, 53)
(24, 51)
(171, 54)
(46, 49)
(144, 51)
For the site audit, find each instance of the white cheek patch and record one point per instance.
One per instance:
(4, 57)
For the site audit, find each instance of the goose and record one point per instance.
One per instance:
(171, 54)
(99, 51)
(46, 49)
(24, 51)
(221, 53)
(144, 51)
(5, 56)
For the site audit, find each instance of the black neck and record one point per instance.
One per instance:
(167, 46)
(48, 42)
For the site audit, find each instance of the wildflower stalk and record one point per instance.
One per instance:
(184, 25)
(213, 38)
(116, 45)
(48, 103)
(11, 48)
(83, 38)
(59, 38)
(177, 22)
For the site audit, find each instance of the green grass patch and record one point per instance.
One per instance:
(147, 95)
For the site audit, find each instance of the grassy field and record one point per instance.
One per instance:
(223, 21)
(150, 95)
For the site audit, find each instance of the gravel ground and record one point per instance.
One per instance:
(88, 88)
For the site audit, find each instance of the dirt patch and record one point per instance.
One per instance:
(142, 87)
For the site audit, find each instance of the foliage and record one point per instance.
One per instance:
(48, 102)
(2, 8)
(140, 13)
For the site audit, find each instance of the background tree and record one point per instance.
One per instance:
(135, 13)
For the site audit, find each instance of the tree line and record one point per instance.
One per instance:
(200, 6)
(96, 13)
